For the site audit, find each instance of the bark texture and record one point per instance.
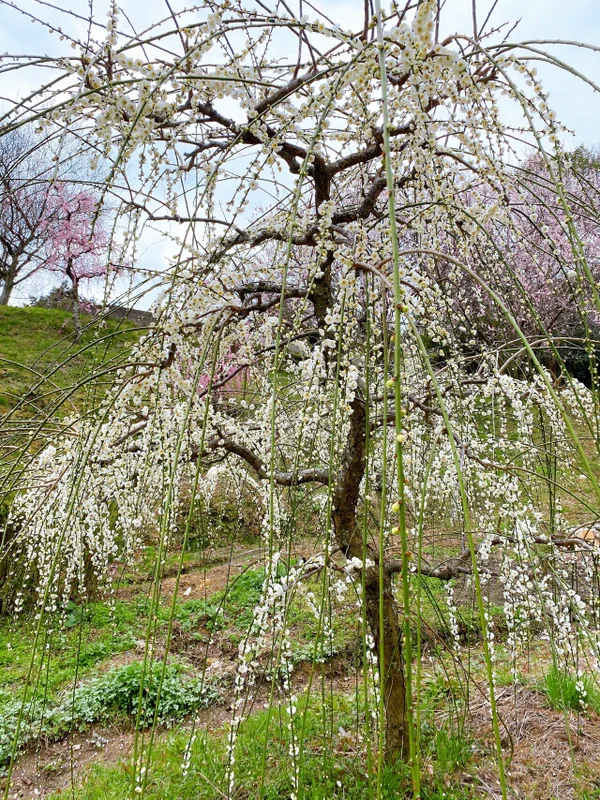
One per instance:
(381, 608)
(8, 285)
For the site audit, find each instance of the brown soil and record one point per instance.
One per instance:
(553, 755)
(545, 760)
(201, 585)
(59, 766)
(55, 767)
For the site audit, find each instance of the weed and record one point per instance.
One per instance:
(452, 750)
(191, 613)
(125, 691)
(565, 691)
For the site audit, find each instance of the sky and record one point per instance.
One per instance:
(577, 20)
(576, 104)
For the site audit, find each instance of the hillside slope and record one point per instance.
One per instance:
(42, 363)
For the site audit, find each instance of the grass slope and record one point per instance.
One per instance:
(42, 362)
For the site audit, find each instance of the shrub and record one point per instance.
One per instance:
(124, 691)
(61, 297)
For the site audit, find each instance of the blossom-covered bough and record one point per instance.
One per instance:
(343, 206)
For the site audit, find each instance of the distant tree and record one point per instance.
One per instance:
(530, 251)
(76, 240)
(564, 293)
(45, 225)
(61, 297)
(23, 194)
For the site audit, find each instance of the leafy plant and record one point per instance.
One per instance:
(122, 692)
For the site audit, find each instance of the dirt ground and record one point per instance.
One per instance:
(58, 766)
(549, 753)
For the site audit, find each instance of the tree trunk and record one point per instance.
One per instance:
(75, 283)
(391, 672)
(388, 641)
(76, 319)
(7, 287)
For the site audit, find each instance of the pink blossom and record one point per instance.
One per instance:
(76, 238)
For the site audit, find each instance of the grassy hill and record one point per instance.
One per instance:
(42, 363)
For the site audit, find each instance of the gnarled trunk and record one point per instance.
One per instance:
(391, 670)
(10, 275)
(387, 636)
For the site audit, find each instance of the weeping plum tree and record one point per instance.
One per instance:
(322, 243)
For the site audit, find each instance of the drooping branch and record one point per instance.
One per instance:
(263, 471)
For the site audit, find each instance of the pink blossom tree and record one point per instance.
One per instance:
(527, 248)
(554, 223)
(76, 239)
(45, 226)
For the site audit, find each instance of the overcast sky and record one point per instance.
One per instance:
(579, 20)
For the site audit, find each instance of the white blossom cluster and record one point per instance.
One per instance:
(304, 345)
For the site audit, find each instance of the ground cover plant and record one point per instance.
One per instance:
(125, 691)
(375, 339)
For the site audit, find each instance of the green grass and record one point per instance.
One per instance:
(241, 597)
(39, 357)
(91, 635)
(94, 632)
(231, 610)
(563, 693)
(331, 768)
(435, 615)
(451, 751)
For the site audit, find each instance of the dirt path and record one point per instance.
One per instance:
(45, 767)
(199, 582)
(57, 766)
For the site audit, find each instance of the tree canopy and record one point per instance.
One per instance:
(367, 262)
